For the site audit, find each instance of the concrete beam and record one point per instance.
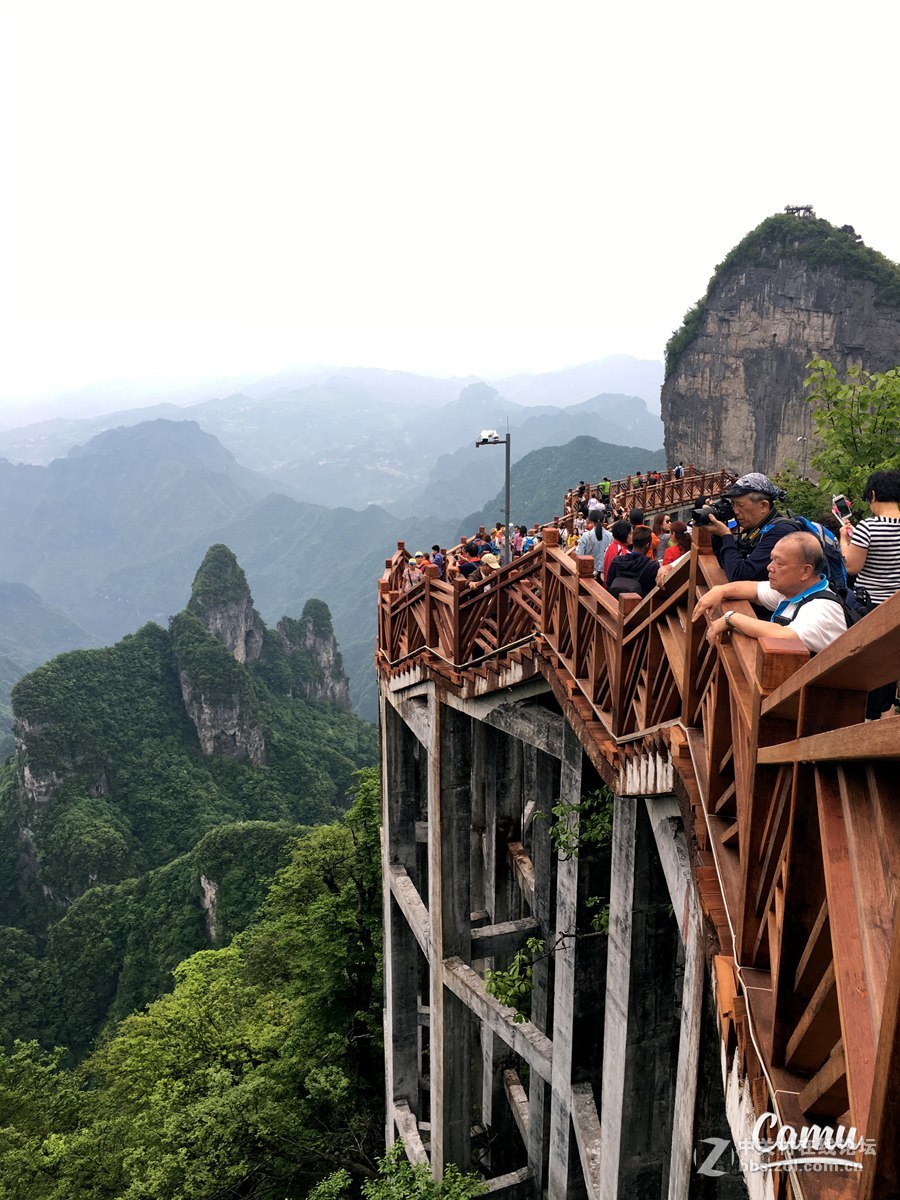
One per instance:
(517, 1185)
(480, 707)
(530, 723)
(416, 712)
(505, 939)
(671, 845)
(523, 1038)
(523, 869)
(518, 1102)
(411, 905)
(588, 1137)
(408, 1130)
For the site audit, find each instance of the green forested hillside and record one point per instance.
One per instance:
(256, 1076)
(157, 784)
(116, 947)
(30, 633)
(540, 480)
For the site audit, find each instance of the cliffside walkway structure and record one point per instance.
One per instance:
(666, 496)
(752, 962)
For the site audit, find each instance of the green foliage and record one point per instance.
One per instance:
(318, 614)
(399, 1180)
(83, 706)
(88, 841)
(256, 1075)
(130, 788)
(857, 422)
(807, 239)
(335, 1187)
(600, 919)
(220, 580)
(513, 986)
(804, 498)
(21, 994)
(214, 674)
(580, 827)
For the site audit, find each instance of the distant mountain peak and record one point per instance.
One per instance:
(221, 598)
(151, 435)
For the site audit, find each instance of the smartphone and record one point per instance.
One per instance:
(840, 506)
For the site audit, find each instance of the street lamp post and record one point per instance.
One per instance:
(802, 439)
(490, 437)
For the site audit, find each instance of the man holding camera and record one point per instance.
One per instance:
(744, 553)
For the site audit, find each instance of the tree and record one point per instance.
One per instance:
(857, 422)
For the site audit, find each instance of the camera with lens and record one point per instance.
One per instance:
(721, 509)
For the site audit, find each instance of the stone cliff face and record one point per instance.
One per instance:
(238, 626)
(225, 726)
(221, 598)
(218, 699)
(311, 644)
(733, 397)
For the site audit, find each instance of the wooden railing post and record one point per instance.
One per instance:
(550, 542)
(432, 574)
(460, 587)
(620, 722)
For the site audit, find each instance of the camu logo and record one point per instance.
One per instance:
(810, 1148)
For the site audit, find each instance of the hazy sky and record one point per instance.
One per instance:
(195, 189)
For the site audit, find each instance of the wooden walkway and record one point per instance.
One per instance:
(791, 802)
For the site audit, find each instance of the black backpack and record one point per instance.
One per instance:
(854, 607)
(855, 600)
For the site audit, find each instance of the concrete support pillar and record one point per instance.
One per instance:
(403, 779)
(618, 986)
(564, 1178)
(680, 1165)
(541, 784)
(643, 1003)
(449, 821)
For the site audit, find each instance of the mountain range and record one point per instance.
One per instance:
(360, 437)
(110, 536)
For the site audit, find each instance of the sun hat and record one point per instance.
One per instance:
(491, 560)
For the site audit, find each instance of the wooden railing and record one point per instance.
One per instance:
(792, 798)
(666, 496)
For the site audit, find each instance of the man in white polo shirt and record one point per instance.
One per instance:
(797, 595)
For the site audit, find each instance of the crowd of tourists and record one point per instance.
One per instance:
(803, 580)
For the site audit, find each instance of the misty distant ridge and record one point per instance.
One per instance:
(109, 537)
(363, 437)
(614, 373)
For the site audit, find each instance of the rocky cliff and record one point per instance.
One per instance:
(119, 751)
(221, 598)
(311, 644)
(794, 288)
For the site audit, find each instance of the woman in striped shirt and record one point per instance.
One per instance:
(872, 553)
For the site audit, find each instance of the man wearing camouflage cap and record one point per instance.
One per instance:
(744, 553)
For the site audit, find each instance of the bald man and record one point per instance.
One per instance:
(797, 594)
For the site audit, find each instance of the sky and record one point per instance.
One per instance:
(198, 190)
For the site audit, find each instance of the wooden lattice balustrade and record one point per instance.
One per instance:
(790, 798)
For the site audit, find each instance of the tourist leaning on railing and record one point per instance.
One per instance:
(797, 595)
